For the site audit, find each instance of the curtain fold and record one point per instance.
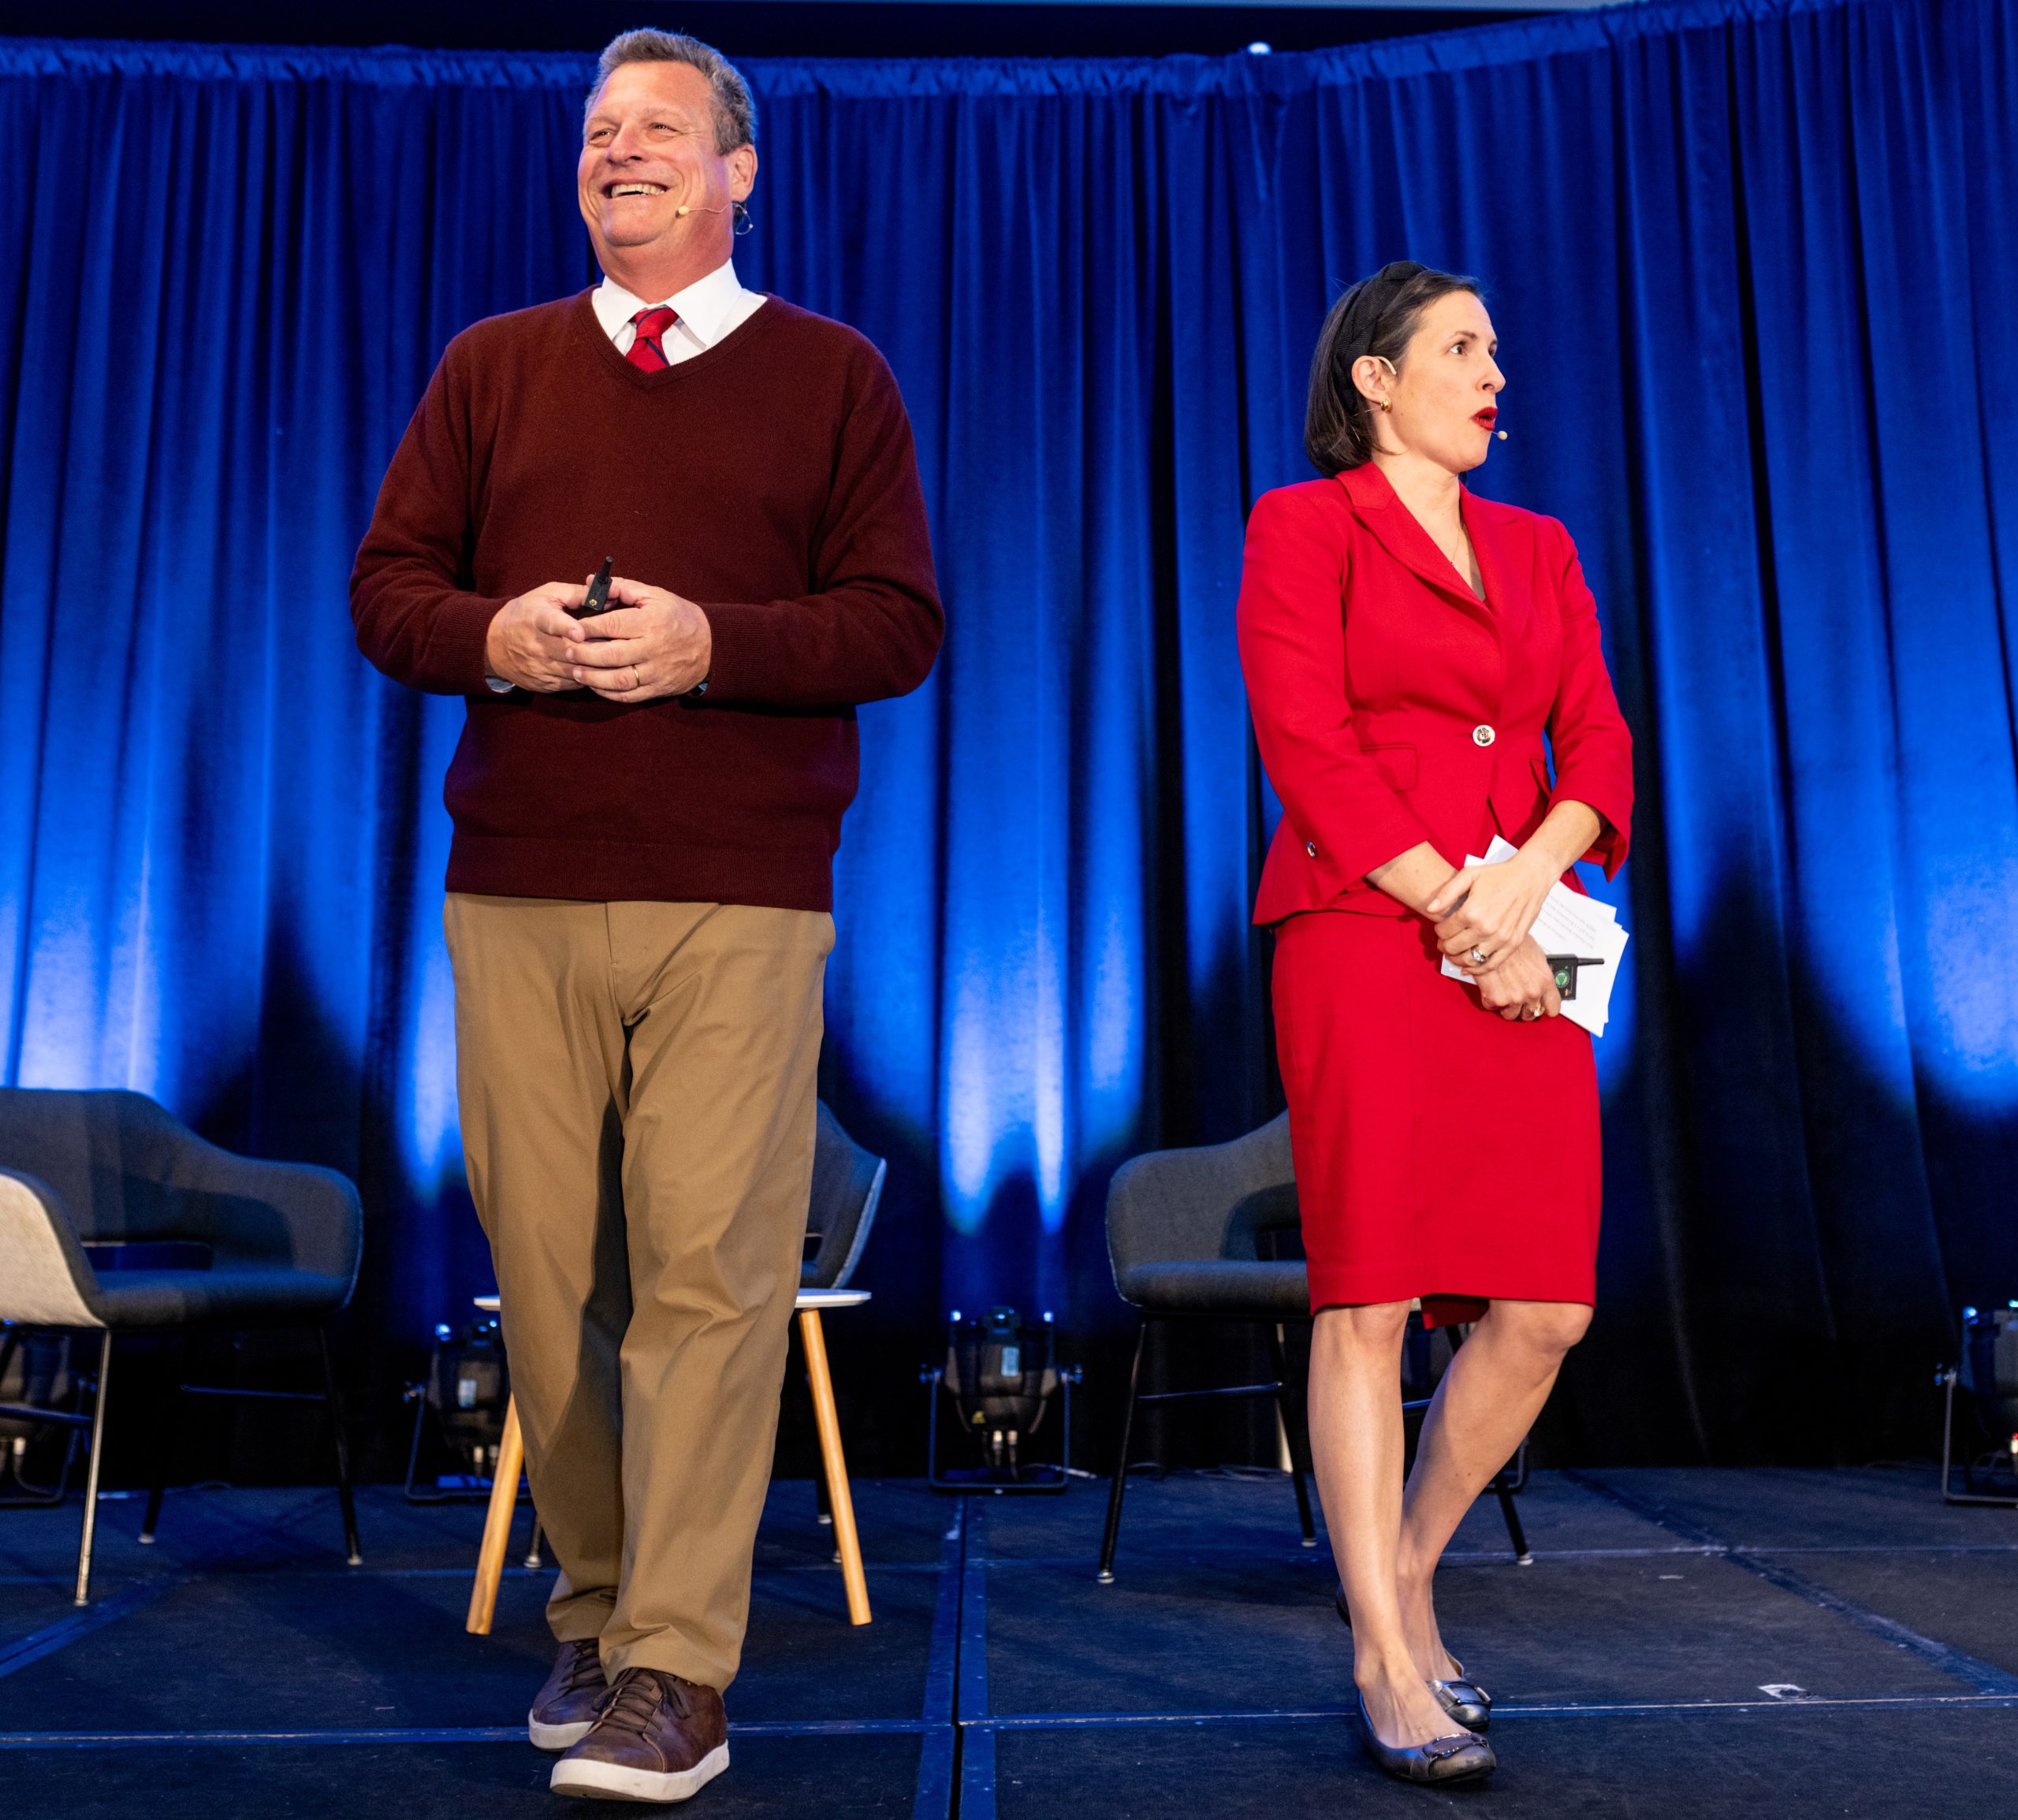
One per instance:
(1751, 263)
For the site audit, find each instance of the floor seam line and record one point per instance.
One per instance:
(1985, 1678)
(938, 1765)
(1000, 1721)
(1062, 1721)
(976, 1786)
(512, 1570)
(424, 1735)
(82, 1622)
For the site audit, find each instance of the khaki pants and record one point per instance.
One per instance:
(637, 1091)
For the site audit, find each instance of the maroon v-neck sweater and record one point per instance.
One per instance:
(772, 480)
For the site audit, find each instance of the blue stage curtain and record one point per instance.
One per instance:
(1752, 265)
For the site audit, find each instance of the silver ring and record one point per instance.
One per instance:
(1478, 957)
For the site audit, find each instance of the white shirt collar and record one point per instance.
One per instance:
(709, 307)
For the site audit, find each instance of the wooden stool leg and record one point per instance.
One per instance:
(837, 1468)
(98, 1458)
(497, 1524)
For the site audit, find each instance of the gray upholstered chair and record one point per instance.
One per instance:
(1198, 1234)
(253, 1244)
(847, 1187)
(1191, 1234)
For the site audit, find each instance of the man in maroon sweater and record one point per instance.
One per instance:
(646, 806)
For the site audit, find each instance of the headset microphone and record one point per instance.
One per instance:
(1501, 434)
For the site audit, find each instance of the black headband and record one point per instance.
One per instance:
(1370, 299)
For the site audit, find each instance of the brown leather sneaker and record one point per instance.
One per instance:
(567, 1705)
(658, 1739)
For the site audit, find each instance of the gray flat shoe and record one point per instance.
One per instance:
(1458, 1758)
(1465, 1701)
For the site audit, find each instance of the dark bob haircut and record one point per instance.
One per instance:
(1377, 316)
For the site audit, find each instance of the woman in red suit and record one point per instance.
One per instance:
(1407, 646)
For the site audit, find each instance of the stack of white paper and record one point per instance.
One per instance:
(1570, 923)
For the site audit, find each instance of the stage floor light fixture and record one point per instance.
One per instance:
(1002, 1376)
(1988, 1374)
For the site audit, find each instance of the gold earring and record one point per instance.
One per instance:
(1385, 405)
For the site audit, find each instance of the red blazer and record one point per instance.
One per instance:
(1392, 707)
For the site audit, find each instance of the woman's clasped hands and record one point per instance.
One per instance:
(1484, 913)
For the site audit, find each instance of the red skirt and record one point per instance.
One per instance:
(1441, 1151)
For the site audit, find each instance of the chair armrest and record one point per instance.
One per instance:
(253, 1210)
(1181, 1206)
(44, 1278)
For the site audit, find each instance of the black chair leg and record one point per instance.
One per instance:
(823, 1502)
(1111, 1539)
(332, 1399)
(99, 1403)
(26, 1493)
(165, 1437)
(1515, 1533)
(1290, 1412)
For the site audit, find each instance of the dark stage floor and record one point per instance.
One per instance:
(1685, 1644)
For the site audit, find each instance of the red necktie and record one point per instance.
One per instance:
(645, 350)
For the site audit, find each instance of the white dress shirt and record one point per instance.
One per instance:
(709, 309)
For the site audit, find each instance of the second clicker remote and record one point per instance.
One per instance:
(597, 601)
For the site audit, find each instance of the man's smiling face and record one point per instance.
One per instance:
(648, 149)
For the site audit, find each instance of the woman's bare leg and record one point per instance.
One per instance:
(1356, 1442)
(1488, 1401)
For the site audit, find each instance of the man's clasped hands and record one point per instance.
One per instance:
(651, 642)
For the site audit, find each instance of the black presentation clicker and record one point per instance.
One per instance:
(1565, 966)
(597, 598)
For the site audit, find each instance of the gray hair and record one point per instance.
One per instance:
(736, 114)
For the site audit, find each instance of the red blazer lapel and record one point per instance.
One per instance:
(1396, 529)
(1490, 530)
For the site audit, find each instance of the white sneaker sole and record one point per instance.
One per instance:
(597, 1782)
(556, 1737)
